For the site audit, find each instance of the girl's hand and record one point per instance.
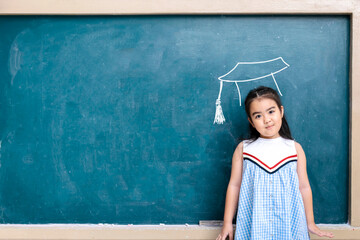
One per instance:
(315, 230)
(227, 230)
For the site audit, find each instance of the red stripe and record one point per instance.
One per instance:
(267, 165)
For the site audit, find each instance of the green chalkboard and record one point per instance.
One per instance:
(109, 119)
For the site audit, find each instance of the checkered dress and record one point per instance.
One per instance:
(270, 202)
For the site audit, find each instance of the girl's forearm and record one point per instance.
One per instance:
(232, 198)
(308, 204)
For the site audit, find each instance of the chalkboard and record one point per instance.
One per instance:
(110, 119)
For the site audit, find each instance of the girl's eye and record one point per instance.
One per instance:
(271, 111)
(257, 116)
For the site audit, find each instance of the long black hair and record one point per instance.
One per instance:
(265, 92)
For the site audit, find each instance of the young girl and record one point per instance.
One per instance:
(275, 199)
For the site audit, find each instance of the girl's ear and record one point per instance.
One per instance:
(282, 111)
(251, 122)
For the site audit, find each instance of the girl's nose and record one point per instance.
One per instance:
(267, 119)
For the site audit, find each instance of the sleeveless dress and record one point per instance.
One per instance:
(270, 203)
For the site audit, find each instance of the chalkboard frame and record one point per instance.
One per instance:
(218, 7)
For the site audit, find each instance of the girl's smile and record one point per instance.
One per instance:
(266, 117)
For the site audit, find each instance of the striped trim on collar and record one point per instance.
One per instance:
(267, 168)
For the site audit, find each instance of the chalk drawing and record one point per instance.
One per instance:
(247, 72)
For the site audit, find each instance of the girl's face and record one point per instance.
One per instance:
(266, 117)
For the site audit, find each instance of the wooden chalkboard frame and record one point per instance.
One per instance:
(216, 7)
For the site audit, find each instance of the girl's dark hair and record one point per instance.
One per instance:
(265, 92)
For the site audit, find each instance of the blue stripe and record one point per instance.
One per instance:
(246, 158)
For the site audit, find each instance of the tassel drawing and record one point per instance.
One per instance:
(247, 72)
(219, 115)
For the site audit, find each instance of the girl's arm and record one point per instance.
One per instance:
(232, 194)
(306, 193)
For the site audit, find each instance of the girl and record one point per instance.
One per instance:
(275, 199)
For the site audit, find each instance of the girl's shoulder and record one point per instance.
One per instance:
(246, 142)
(239, 147)
(298, 147)
(239, 151)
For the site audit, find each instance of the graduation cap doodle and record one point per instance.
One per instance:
(247, 72)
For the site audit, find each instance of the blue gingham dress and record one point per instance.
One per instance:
(270, 202)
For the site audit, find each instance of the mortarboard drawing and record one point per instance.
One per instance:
(247, 72)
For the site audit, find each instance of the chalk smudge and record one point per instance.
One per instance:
(14, 60)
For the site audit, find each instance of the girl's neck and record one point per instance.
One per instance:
(272, 137)
(269, 139)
